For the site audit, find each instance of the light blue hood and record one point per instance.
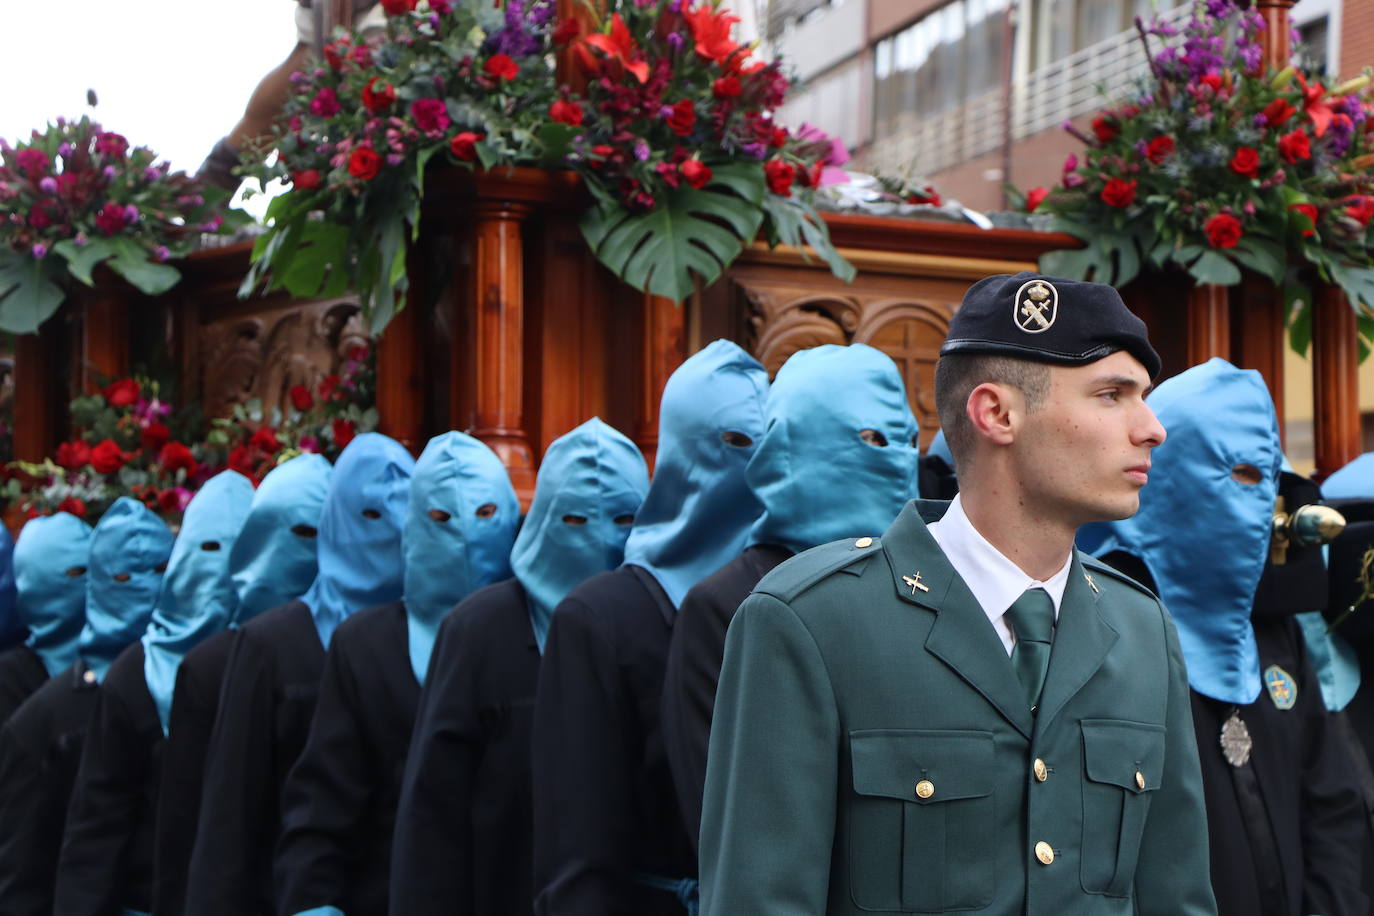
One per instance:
(360, 531)
(590, 486)
(697, 515)
(939, 448)
(1203, 535)
(1354, 481)
(817, 477)
(50, 563)
(274, 559)
(459, 528)
(197, 594)
(129, 551)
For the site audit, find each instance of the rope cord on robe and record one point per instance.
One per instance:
(687, 890)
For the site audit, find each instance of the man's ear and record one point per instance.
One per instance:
(994, 410)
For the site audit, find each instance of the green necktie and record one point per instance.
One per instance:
(1032, 620)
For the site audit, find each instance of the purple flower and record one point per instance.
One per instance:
(1219, 9)
(676, 40)
(212, 226)
(64, 150)
(109, 172)
(308, 444)
(394, 159)
(641, 150)
(130, 215)
(80, 239)
(757, 150)
(1073, 179)
(40, 251)
(151, 174)
(48, 185)
(1260, 120)
(162, 253)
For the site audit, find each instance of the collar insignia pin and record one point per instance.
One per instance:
(915, 583)
(1093, 584)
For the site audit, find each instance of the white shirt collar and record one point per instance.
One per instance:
(994, 580)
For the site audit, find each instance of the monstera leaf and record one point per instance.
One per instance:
(28, 294)
(691, 233)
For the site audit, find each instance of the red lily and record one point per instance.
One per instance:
(1317, 109)
(711, 29)
(621, 47)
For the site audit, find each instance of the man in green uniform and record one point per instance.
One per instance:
(966, 714)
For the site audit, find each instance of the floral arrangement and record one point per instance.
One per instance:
(1214, 166)
(75, 196)
(673, 134)
(130, 442)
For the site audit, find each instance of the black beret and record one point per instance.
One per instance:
(1047, 320)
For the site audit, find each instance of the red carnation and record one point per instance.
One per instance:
(265, 438)
(175, 455)
(325, 103)
(1294, 146)
(398, 7)
(73, 455)
(566, 112)
(464, 148)
(669, 173)
(122, 393)
(107, 457)
(780, 175)
(72, 505)
(1119, 192)
(1223, 231)
(1035, 197)
(1246, 162)
(110, 219)
(501, 66)
(1361, 209)
(241, 460)
(153, 437)
(343, 430)
(1309, 211)
(306, 179)
(378, 98)
(364, 163)
(300, 397)
(329, 383)
(727, 87)
(1159, 149)
(169, 501)
(695, 172)
(1105, 127)
(32, 162)
(1278, 111)
(430, 115)
(682, 119)
(778, 137)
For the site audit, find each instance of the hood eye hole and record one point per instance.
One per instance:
(304, 531)
(1247, 474)
(575, 520)
(914, 441)
(736, 439)
(486, 510)
(439, 515)
(873, 437)
(159, 569)
(210, 545)
(625, 519)
(371, 514)
(123, 577)
(75, 572)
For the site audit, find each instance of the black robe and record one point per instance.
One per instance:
(40, 750)
(605, 812)
(339, 801)
(107, 850)
(266, 703)
(463, 842)
(21, 673)
(194, 701)
(689, 685)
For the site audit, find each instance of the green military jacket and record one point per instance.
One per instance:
(872, 750)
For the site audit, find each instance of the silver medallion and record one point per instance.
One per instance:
(1235, 740)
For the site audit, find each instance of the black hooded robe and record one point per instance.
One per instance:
(21, 673)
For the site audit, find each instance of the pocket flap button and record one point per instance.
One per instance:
(925, 788)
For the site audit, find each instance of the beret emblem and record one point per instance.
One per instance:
(1036, 306)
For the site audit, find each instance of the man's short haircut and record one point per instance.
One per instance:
(957, 374)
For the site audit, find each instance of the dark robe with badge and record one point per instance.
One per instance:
(40, 750)
(605, 812)
(107, 851)
(339, 801)
(463, 841)
(689, 687)
(21, 673)
(267, 700)
(183, 768)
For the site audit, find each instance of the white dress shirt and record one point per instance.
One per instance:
(994, 580)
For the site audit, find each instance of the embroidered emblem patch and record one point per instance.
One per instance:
(1283, 690)
(1036, 306)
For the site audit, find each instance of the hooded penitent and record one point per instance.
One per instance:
(129, 551)
(360, 532)
(590, 486)
(50, 563)
(697, 515)
(274, 559)
(11, 627)
(197, 592)
(1354, 481)
(838, 458)
(1203, 534)
(459, 528)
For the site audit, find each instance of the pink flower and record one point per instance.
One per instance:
(111, 144)
(325, 103)
(430, 115)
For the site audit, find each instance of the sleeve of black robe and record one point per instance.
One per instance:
(431, 862)
(33, 808)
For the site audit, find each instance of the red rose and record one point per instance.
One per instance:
(1278, 111)
(1211, 80)
(1361, 209)
(1159, 149)
(110, 219)
(1246, 162)
(72, 505)
(1309, 211)
(778, 137)
(501, 66)
(1034, 197)
(1119, 193)
(300, 397)
(682, 119)
(333, 54)
(306, 179)
(727, 87)
(779, 175)
(364, 163)
(1105, 127)
(567, 30)
(398, 7)
(175, 455)
(325, 103)
(107, 457)
(265, 438)
(565, 112)
(241, 460)
(327, 386)
(343, 430)
(378, 98)
(1294, 146)
(73, 455)
(169, 501)
(122, 393)
(695, 172)
(464, 149)
(430, 115)
(153, 437)
(1223, 231)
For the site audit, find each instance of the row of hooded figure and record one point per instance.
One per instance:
(374, 688)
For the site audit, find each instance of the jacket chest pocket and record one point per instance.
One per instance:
(921, 820)
(1122, 765)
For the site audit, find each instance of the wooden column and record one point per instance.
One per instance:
(664, 349)
(1258, 340)
(1335, 359)
(1274, 37)
(1209, 320)
(38, 392)
(104, 316)
(400, 377)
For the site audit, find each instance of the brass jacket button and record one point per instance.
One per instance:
(1044, 852)
(1139, 779)
(925, 788)
(1042, 772)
